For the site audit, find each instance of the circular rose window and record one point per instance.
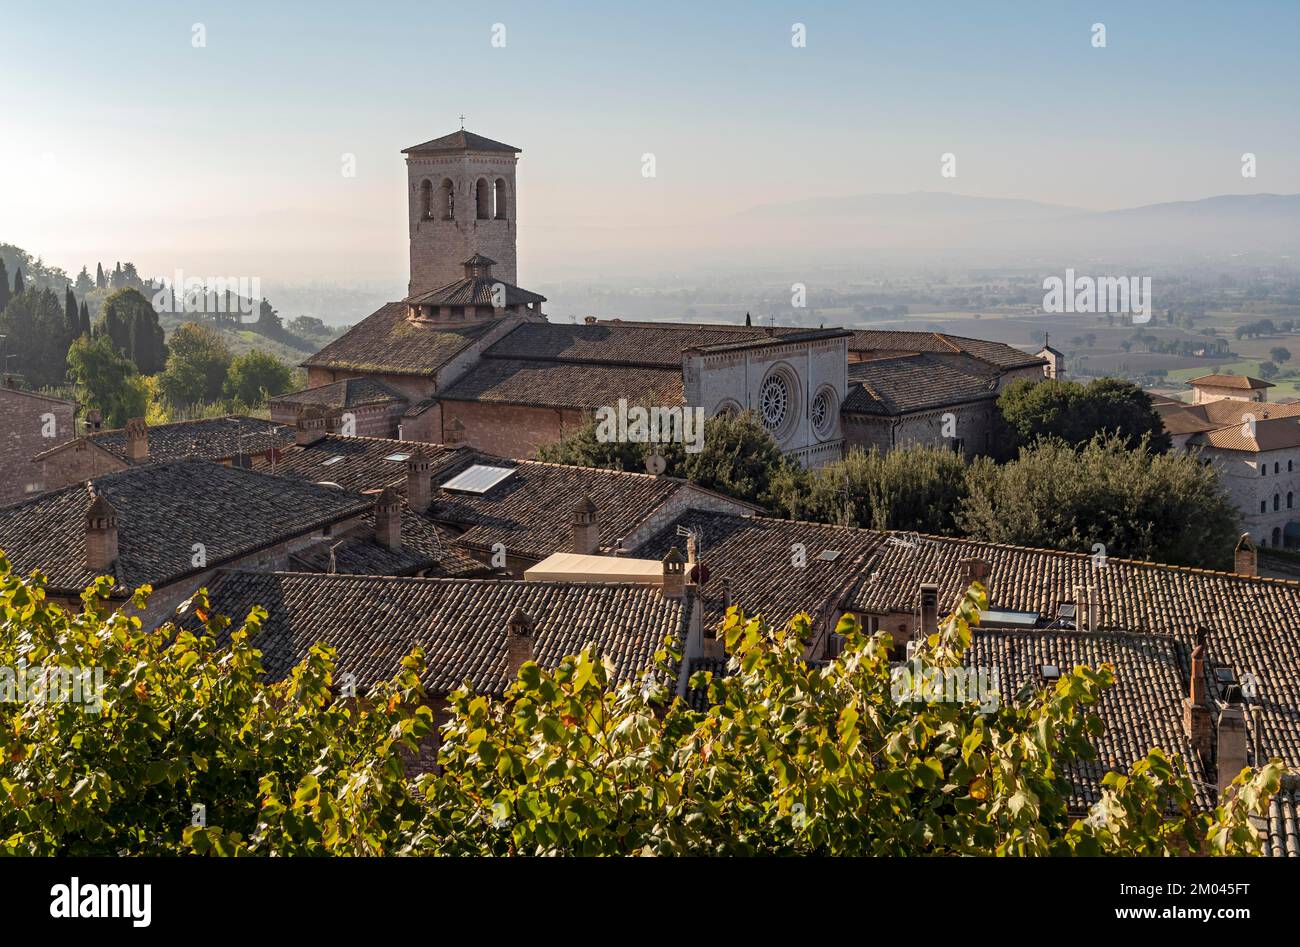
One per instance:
(823, 409)
(774, 401)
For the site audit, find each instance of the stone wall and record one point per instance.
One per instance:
(29, 424)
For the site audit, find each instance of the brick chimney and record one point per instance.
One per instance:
(929, 601)
(674, 585)
(453, 433)
(101, 534)
(388, 519)
(310, 428)
(418, 487)
(1197, 722)
(586, 527)
(975, 569)
(1231, 756)
(333, 421)
(137, 440)
(94, 420)
(519, 643)
(1245, 559)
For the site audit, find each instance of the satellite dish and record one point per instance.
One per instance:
(655, 464)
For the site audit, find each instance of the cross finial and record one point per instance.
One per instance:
(462, 121)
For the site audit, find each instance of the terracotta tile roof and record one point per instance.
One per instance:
(1182, 418)
(460, 623)
(427, 549)
(162, 510)
(565, 384)
(476, 291)
(1141, 711)
(1263, 435)
(651, 344)
(757, 554)
(1244, 382)
(363, 464)
(460, 140)
(347, 393)
(529, 511)
(764, 341)
(998, 354)
(205, 438)
(388, 342)
(1252, 621)
(900, 384)
(1282, 828)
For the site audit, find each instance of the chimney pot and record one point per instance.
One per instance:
(101, 534)
(388, 519)
(418, 486)
(586, 527)
(519, 643)
(929, 598)
(137, 440)
(1245, 558)
(674, 584)
(975, 569)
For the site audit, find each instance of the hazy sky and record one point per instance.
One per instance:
(121, 140)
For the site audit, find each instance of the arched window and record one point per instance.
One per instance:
(1290, 465)
(483, 197)
(1277, 536)
(1263, 470)
(499, 194)
(1276, 467)
(1290, 498)
(1263, 506)
(426, 199)
(1277, 502)
(447, 200)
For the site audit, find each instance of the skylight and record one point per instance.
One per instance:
(333, 460)
(398, 457)
(478, 478)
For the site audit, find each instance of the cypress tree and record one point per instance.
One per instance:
(18, 281)
(748, 321)
(99, 276)
(4, 286)
(85, 319)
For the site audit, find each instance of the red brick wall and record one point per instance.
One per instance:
(511, 430)
(25, 431)
(77, 463)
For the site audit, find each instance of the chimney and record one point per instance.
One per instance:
(929, 609)
(137, 440)
(333, 421)
(519, 643)
(1087, 608)
(674, 574)
(726, 594)
(1197, 723)
(1245, 559)
(975, 569)
(453, 433)
(101, 535)
(94, 419)
(311, 427)
(388, 519)
(586, 528)
(418, 487)
(1231, 756)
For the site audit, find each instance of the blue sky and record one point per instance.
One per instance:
(131, 142)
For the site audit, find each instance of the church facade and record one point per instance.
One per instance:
(468, 357)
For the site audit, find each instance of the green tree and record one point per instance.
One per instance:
(130, 321)
(912, 488)
(1267, 369)
(737, 455)
(71, 313)
(5, 295)
(1137, 504)
(84, 283)
(1031, 409)
(106, 379)
(254, 376)
(37, 336)
(197, 366)
(1280, 354)
(18, 282)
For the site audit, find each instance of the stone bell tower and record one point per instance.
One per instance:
(462, 202)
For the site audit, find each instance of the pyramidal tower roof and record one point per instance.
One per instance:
(460, 140)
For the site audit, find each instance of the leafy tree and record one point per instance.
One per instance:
(37, 336)
(1075, 413)
(130, 321)
(912, 488)
(197, 366)
(738, 456)
(790, 759)
(84, 283)
(254, 376)
(1138, 504)
(1280, 354)
(1267, 369)
(106, 379)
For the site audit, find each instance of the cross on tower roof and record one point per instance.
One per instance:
(462, 120)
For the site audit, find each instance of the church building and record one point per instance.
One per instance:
(468, 357)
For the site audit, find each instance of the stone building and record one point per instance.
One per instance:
(468, 354)
(29, 424)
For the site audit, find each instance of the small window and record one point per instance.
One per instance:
(1289, 498)
(828, 555)
(1277, 502)
(1263, 506)
(1276, 467)
(1263, 470)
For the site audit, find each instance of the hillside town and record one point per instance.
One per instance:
(398, 501)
